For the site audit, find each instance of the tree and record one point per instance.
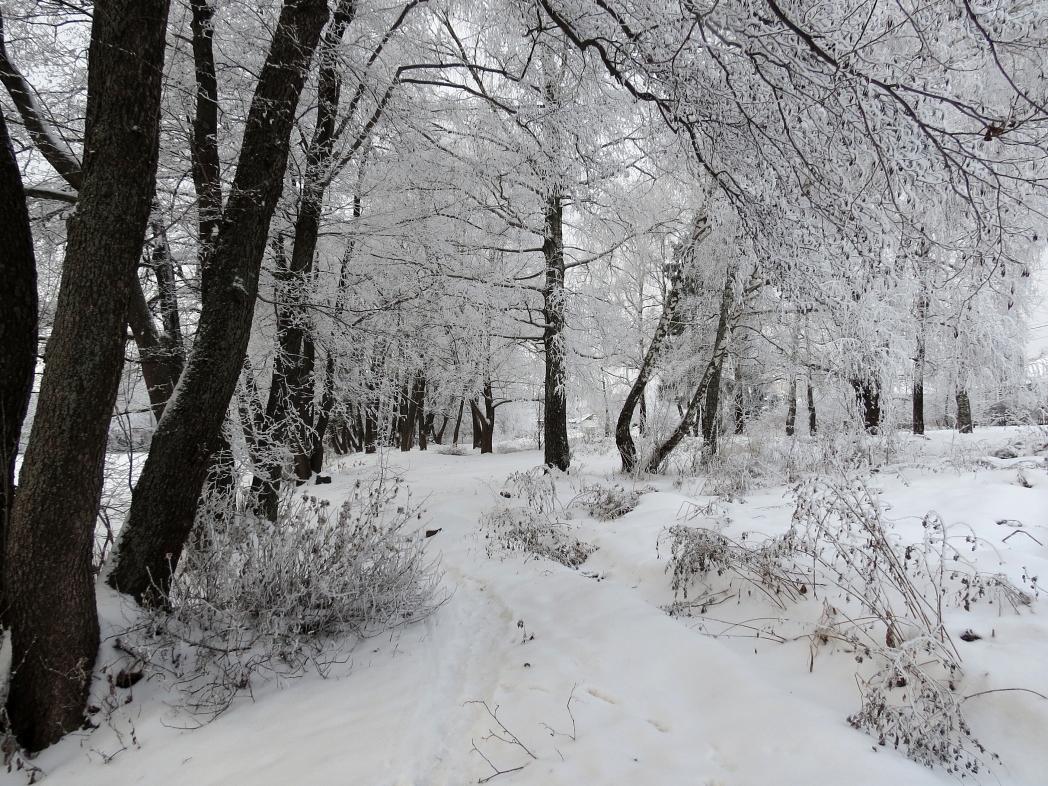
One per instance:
(18, 325)
(164, 501)
(54, 625)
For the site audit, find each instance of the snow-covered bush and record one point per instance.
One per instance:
(252, 596)
(605, 503)
(532, 527)
(840, 540)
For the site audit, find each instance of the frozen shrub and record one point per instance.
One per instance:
(252, 596)
(907, 706)
(606, 503)
(839, 539)
(534, 533)
(531, 527)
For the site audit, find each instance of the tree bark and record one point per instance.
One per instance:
(711, 406)
(557, 453)
(52, 611)
(812, 424)
(918, 366)
(868, 396)
(791, 409)
(164, 501)
(964, 412)
(207, 168)
(18, 326)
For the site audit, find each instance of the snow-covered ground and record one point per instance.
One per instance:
(592, 681)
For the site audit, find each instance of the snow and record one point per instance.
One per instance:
(595, 680)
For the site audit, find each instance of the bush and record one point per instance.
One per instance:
(252, 596)
(532, 528)
(839, 538)
(604, 503)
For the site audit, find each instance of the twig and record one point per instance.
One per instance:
(1002, 690)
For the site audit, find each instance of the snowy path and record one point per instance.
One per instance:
(653, 700)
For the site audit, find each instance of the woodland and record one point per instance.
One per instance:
(243, 241)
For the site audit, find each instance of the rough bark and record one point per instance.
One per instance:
(18, 326)
(868, 397)
(52, 611)
(556, 450)
(165, 500)
(964, 412)
(207, 168)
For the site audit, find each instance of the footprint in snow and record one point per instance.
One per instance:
(603, 696)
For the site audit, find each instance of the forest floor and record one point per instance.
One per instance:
(591, 680)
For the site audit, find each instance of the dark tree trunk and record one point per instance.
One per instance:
(478, 424)
(327, 402)
(711, 407)
(964, 412)
(18, 326)
(158, 369)
(438, 434)
(207, 169)
(812, 424)
(556, 450)
(161, 358)
(791, 409)
(408, 415)
(371, 407)
(720, 349)
(164, 501)
(868, 396)
(918, 366)
(296, 345)
(419, 397)
(51, 588)
(458, 422)
(642, 412)
(669, 324)
(484, 421)
(739, 400)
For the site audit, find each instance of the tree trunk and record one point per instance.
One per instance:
(161, 361)
(458, 422)
(964, 412)
(408, 415)
(484, 421)
(296, 346)
(918, 366)
(18, 326)
(791, 409)
(420, 410)
(711, 406)
(207, 168)
(164, 501)
(868, 396)
(720, 348)
(669, 324)
(51, 588)
(478, 425)
(812, 424)
(556, 450)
